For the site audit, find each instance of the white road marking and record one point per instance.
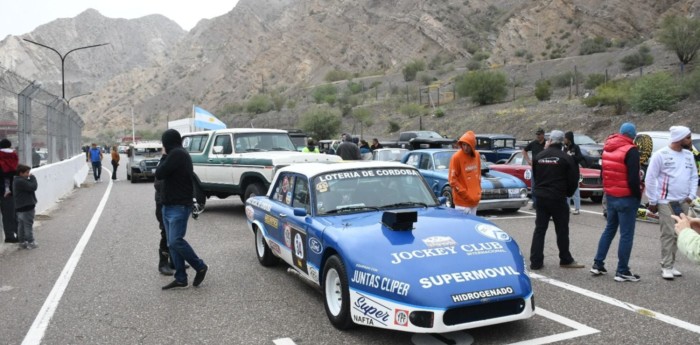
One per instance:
(284, 341)
(615, 302)
(41, 322)
(579, 329)
(508, 218)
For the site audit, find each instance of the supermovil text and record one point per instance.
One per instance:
(466, 276)
(468, 249)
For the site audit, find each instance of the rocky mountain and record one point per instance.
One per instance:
(155, 69)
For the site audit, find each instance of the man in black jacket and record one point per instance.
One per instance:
(348, 150)
(176, 171)
(556, 178)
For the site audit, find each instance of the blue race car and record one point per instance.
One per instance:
(385, 252)
(498, 190)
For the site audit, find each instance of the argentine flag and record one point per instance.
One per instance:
(204, 119)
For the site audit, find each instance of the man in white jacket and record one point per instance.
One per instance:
(671, 185)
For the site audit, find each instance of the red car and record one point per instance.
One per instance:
(590, 183)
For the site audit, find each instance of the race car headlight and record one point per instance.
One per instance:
(422, 318)
(517, 192)
(523, 192)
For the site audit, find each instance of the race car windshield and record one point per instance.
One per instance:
(371, 189)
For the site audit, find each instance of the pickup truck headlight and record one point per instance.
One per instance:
(142, 165)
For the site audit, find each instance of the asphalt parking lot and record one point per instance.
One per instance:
(94, 280)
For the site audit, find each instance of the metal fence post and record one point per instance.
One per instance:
(24, 123)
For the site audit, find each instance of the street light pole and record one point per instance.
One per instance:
(85, 94)
(63, 60)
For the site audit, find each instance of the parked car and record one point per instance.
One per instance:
(661, 139)
(328, 146)
(592, 151)
(143, 160)
(385, 253)
(497, 148)
(590, 183)
(498, 190)
(391, 154)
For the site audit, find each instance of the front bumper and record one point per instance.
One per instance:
(494, 204)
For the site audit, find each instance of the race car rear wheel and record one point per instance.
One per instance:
(336, 293)
(447, 193)
(262, 250)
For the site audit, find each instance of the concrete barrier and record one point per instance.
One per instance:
(58, 179)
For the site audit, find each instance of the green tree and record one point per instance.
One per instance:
(336, 75)
(654, 92)
(594, 80)
(393, 127)
(278, 100)
(321, 122)
(639, 59)
(410, 70)
(259, 104)
(363, 116)
(412, 109)
(680, 35)
(616, 94)
(484, 87)
(322, 93)
(543, 90)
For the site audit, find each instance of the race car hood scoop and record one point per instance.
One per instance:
(399, 220)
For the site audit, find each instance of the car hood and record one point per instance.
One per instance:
(492, 179)
(447, 259)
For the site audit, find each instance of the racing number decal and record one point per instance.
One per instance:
(298, 249)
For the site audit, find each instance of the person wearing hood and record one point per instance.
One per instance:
(574, 151)
(621, 183)
(465, 174)
(8, 169)
(177, 174)
(555, 178)
(671, 185)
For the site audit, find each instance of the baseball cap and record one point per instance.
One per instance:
(539, 131)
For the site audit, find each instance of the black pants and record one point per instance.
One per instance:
(558, 210)
(9, 217)
(163, 237)
(114, 170)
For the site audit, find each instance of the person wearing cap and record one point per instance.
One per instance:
(621, 184)
(536, 146)
(671, 185)
(465, 175)
(556, 178)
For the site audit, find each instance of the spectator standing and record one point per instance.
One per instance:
(115, 162)
(36, 158)
(574, 151)
(376, 145)
(465, 175)
(365, 150)
(556, 177)
(688, 238)
(536, 146)
(348, 150)
(24, 188)
(95, 157)
(622, 186)
(671, 185)
(310, 147)
(8, 169)
(176, 171)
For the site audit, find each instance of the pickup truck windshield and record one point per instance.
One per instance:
(252, 142)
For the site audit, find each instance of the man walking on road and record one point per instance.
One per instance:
(176, 171)
(621, 184)
(95, 156)
(671, 185)
(465, 175)
(556, 178)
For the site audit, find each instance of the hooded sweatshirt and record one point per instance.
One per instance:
(465, 174)
(175, 170)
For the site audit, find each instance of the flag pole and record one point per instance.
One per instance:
(193, 119)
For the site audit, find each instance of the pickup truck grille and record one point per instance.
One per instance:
(592, 181)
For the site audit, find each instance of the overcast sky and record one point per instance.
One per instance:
(22, 16)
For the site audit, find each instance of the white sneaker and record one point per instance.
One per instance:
(676, 273)
(667, 273)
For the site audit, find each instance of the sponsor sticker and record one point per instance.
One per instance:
(313, 274)
(271, 221)
(287, 235)
(366, 173)
(266, 206)
(298, 249)
(493, 232)
(274, 247)
(322, 187)
(482, 294)
(380, 282)
(315, 245)
(439, 241)
(371, 311)
(401, 317)
(249, 212)
(467, 276)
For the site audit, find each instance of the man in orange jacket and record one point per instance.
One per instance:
(465, 174)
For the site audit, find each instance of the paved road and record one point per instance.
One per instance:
(98, 247)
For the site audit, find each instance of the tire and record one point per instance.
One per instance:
(336, 294)
(447, 192)
(597, 199)
(262, 250)
(253, 189)
(511, 210)
(133, 179)
(199, 194)
(128, 177)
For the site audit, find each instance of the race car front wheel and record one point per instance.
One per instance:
(336, 293)
(447, 193)
(264, 254)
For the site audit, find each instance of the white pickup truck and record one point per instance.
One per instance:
(242, 161)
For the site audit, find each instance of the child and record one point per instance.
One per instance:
(24, 186)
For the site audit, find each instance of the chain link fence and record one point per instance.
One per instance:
(41, 126)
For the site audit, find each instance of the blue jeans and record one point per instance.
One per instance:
(622, 212)
(577, 199)
(96, 170)
(25, 226)
(175, 219)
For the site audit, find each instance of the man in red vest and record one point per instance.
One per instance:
(621, 184)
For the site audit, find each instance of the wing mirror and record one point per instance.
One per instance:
(299, 212)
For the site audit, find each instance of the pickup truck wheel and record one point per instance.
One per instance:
(336, 293)
(253, 189)
(597, 199)
(133, 179)
(264, 254)
(447, 193)
(199, 195)
(128, 177)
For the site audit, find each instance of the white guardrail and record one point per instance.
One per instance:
(56, 180)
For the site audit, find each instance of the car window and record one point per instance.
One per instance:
(225, 142)
(442, 159)
(483, 143)
(425, 162)
(283, 189)
(195, 143)
(301, 194)
(581, 139)
(413, 160)
(246, 142)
